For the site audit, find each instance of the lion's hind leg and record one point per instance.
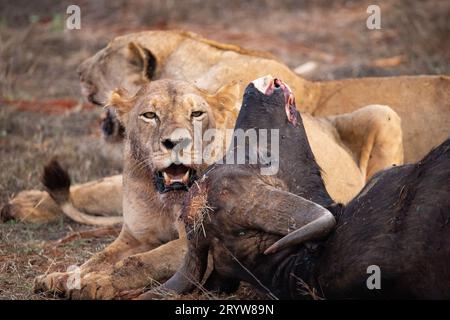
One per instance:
(57, 181)
(374, 135)
(31, 206)
(97, 202)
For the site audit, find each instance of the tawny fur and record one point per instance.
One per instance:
(57, 183)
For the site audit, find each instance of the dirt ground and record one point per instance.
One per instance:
(42, 113)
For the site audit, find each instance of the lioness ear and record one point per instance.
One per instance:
(142, 59)
(228, 96)
(121, 102)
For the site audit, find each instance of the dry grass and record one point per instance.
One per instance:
(197, 209)
(29, 139)
(25, 253)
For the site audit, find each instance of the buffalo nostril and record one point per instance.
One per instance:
(276, 83)
(6, 213)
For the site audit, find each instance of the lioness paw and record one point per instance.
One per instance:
(52, 284)
(93, 286)
(73, 286)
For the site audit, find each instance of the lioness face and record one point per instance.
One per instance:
(110, 68)
(165, 122)
(124, 65)
(127, 62)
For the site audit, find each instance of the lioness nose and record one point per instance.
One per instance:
(170, 144)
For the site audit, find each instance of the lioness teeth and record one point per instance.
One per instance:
(171, 179)
(186, 177)
(166, 178)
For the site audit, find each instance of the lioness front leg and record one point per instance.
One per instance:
(374, 135)
(99, 266)
(136, 271)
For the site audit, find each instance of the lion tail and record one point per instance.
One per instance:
(57, 183)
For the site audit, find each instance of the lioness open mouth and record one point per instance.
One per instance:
(175, 177)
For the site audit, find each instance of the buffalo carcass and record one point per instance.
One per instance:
(397, 227)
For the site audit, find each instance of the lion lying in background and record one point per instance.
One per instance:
(369, 139)
(422, 102)
(158, 120)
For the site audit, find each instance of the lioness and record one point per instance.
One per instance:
(159, 119)
(133, 60)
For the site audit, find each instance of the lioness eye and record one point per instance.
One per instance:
(149, 115)
(197, 114)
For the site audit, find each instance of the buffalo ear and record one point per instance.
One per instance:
(121, 102)
(142, 59)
